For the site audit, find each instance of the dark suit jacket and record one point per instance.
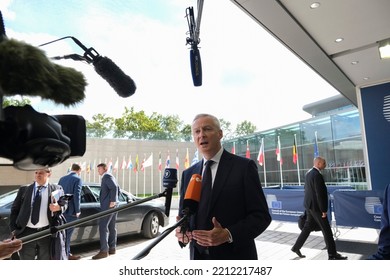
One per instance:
(316, 193)
(21, 207)
(238, 203)
(72, 184)
(109, 191)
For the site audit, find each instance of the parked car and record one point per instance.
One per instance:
(144, 218)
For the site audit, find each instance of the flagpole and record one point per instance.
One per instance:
(89, 172)
(316, 150)
(129, 167)
(144, 180)
(280, 163)
(117, 169)
(265, 172)
(136, 183)
(123, 167)
(151, 176)
(296, 152)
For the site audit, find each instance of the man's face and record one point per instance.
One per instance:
(207, 136)
(42, 176)
(101, 170)
(321, 164)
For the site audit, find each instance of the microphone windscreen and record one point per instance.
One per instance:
(117, 79)
(193, 192)
(196, 66)
(2, 28)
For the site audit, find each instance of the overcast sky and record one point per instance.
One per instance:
(247, 74)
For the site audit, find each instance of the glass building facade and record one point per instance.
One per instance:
(335, 135)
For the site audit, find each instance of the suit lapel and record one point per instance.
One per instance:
(224, 169)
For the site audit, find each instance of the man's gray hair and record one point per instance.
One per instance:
(215, 119)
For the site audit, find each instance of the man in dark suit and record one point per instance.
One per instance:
(21, 217)
(107, 225)
(237, 212)
(316, 205)
(72, 184)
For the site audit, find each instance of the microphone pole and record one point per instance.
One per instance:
(54, 229)
(169, 182)
(158, 239)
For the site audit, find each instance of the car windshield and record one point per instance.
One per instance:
(8, 197)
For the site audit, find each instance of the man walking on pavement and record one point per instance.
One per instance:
(316, 205)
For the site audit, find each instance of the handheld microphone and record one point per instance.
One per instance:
(169, 182)
(190, 202)
(192, 195)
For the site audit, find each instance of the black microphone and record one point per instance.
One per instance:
(190, 202)
(169, 182)
(105, 67)
(117, 79)
(196, 66)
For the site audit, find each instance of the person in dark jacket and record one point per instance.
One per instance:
(24, 221)
(72, 184)
(237, 211)
(108, 197)
(316, 205)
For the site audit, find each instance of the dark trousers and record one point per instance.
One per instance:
(314, 218)
(69, 232)
(107, 231)
(38, 249)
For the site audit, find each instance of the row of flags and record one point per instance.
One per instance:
(114, 167)
(278, 151)
(148, 161)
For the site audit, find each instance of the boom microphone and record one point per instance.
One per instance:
(196, 66)
(105, 67)
(117, 79)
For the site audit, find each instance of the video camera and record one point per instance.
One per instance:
(33, 140)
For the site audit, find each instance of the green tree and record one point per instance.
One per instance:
(245, 128)
(171, 124)
(186, 132)
(15, 102)
(100, 127)
(226, 128)
(137, 125)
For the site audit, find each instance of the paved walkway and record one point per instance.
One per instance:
(274, 244)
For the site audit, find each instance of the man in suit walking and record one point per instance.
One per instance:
(237, 211)
(72, 184)
(25, 220)
(107, 225)
(316, 205)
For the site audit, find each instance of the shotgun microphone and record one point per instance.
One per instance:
(115, 77)
(196, 66)
(105, 67)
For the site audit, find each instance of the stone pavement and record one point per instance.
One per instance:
(274, 244)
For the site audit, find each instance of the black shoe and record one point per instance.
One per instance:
(298, 252)
(338, 257)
